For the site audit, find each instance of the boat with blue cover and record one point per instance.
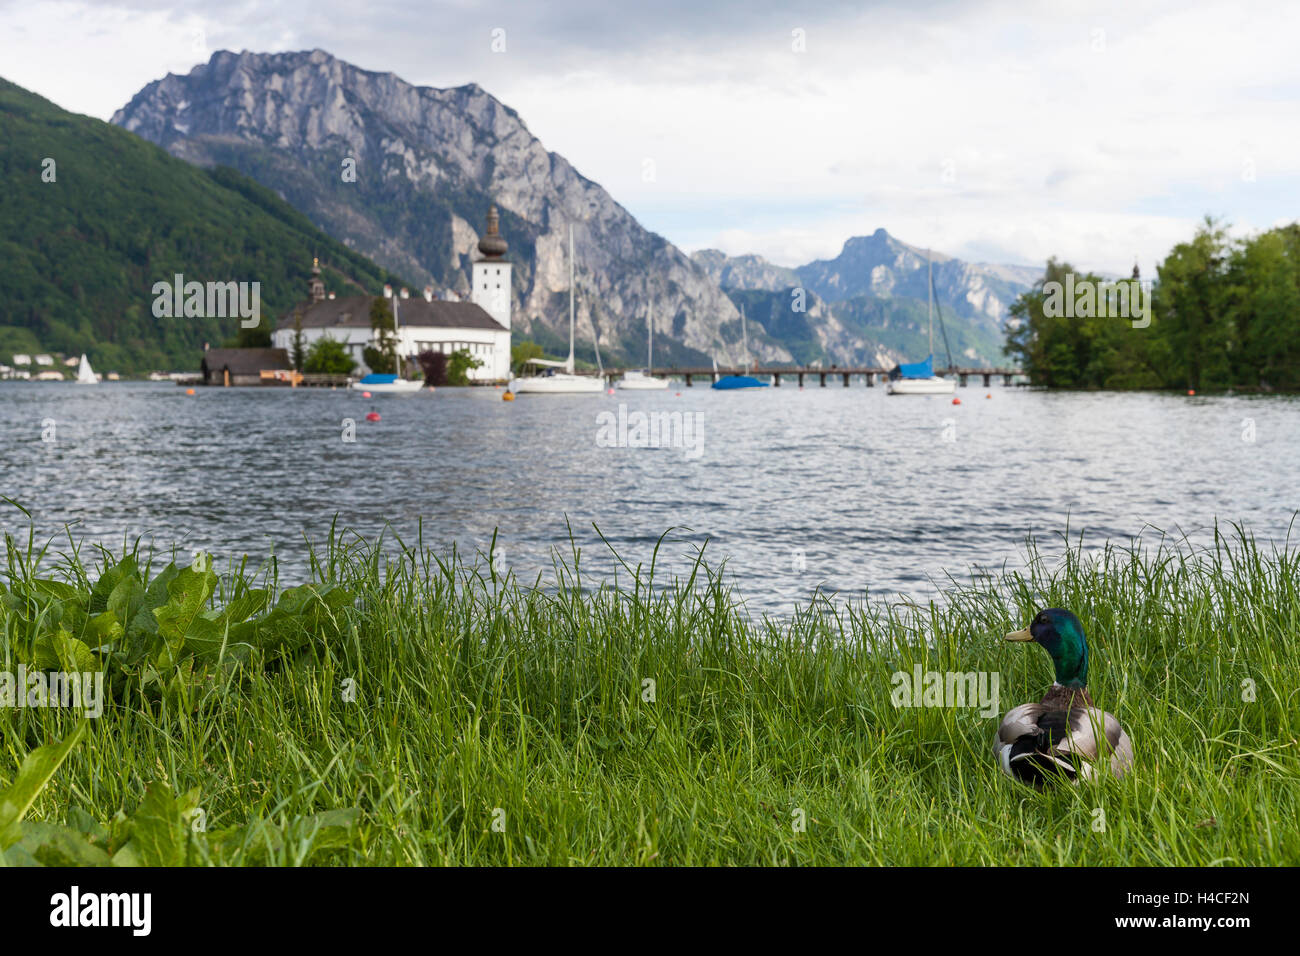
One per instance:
(728, 382)
(918, 378)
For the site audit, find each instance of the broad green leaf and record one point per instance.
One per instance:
(61, 651)
(57, 589)
(156, 594)
(36, 770)
(102, 630)
(124, 570)
(245, 606)
(188, 593)
(158, 828)
(54, 845)
(126, 599)
(126, 856)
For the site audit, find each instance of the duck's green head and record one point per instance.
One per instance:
(1060, 633)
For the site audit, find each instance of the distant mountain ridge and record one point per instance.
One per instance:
(883, 266)
(870, 301)
(745, 272)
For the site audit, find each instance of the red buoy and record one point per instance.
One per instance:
(365, 394)
(956, 401)
(372, 416)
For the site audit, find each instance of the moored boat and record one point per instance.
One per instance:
(918, 378)
(642, 379)
(559, 378)
(85, 374)
(729, 382)
(381, 384)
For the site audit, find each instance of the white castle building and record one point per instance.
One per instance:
(425, 324)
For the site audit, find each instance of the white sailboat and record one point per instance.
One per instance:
(642, 379)
(553, 381)
(86, 375)
(390, 384)
(918, 378)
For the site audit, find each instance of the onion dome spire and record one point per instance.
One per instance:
(492, 245)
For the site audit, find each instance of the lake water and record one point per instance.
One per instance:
(847, 489)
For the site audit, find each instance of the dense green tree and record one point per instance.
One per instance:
(459, 365)
(1263, 305)
(1191, 300)
(327, 356)
(1224, 314)
(82, 248)
(297, 352)
(382, 356)
(521, 352)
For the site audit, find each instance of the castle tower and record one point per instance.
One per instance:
(315, 287)
(492, 273)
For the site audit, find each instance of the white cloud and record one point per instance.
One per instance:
(1091, 133)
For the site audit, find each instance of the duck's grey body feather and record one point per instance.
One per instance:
(1035, 740)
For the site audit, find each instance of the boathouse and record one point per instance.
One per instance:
(243, 366)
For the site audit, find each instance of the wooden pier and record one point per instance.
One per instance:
(800, 373)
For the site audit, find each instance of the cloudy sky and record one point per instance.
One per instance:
(1002, 132)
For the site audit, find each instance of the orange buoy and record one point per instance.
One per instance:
(365, 394)
(989, 395)
(372, 416)
(956, 401)
(507, 396)
(1191, 391)
(189, 391)
(611, 391)
(679, 394)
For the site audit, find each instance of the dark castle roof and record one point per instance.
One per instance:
(354, 311)
(245, 361)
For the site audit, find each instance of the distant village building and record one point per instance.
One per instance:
(44, 359)
(242, 366)
(425, 324)
(22, 358)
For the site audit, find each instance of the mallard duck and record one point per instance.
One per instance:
(1063, 734)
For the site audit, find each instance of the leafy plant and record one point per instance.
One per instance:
(328, 356)
(164, 830)
(382, 356)
(162, 636)
(459, 366)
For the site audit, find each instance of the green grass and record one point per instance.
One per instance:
(477, 697)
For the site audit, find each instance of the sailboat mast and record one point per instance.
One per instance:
(650, 339)
(929, 283)
(397, 340)
(569, 367)
(744, 337)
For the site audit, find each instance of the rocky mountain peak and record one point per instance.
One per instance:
(405, 174)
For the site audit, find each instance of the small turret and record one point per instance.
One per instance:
(315, 286)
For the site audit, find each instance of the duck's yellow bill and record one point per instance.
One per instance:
(1020, 635)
